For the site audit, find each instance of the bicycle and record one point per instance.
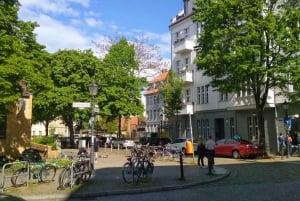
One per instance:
(41, 171)
(139, 165)
(76, 172)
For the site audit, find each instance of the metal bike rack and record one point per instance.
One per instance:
(5, 176)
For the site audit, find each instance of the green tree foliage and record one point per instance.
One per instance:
(171, 91)
(119, 88)
(248, 46)
(71, 72)
(22, 59)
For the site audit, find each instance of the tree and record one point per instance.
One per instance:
(147, 55)
(119, 88)
(171, 91)
(248, 46)
(22, 59)
(72, 72)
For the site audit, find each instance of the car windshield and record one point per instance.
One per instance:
(178, 140)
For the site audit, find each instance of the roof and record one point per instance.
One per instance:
(154, 84)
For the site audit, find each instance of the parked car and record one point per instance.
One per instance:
(237, 148)
(179, 144)
(122, 143)
(155, 141)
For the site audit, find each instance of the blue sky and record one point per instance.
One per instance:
(77, 24)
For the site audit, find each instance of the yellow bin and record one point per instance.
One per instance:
(189, 147)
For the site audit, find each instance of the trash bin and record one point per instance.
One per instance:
(189, 147)
(82, 144)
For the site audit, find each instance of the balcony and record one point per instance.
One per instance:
(186, 75)
(183, 45)
(187, 109)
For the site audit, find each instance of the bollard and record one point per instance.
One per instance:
(181, 166)
(209, 160)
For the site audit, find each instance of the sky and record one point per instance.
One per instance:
(79, 24)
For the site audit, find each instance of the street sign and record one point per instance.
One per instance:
(81, 104)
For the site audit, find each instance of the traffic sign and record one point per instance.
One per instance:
(81, 104)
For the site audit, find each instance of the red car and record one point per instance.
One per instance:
(237, 148)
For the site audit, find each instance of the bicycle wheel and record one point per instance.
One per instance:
(86, 173)
(149, 168)
(47, 173)
(65, 178)
(127, 172)
(20, 177)
(137, 171)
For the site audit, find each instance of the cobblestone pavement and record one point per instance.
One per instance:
(108, 179)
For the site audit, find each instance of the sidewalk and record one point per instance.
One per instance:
(108, 180)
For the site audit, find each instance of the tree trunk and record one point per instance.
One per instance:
(119, 127)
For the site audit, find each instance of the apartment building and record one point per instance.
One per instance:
(214, 113)
(155, 118)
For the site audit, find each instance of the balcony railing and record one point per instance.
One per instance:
(187, 109)
(183, 45)
(186, 75)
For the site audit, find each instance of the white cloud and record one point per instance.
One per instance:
(56, 35)
(92, 22)
(49, 6)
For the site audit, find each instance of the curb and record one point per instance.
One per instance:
(225, 173)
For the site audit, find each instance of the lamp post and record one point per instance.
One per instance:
(93, 89)
(285, 109)
(161, 124)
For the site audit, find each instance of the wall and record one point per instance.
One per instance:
(18, 130)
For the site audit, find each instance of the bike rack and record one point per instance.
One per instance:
(4, 176)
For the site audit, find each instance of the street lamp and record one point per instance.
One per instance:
(285, 109)
(93, 89)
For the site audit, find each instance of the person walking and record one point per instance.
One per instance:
(281, 145)
(210, 149)
(298, 141)
(200, 151)
(289, 143)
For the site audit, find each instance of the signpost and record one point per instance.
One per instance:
(81, 105)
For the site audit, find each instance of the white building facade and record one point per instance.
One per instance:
(213, 113)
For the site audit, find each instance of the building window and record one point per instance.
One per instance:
(202, 94)
(206, 94)
(198, 95)
(3, 122)
(186, 63)
(252, 128)
(223, 96)
(186, 32)
(203, 127)
(188, 95)
(232, 127)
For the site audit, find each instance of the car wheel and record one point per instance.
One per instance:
(121, 146)
(236, 154)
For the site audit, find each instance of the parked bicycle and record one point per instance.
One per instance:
(139, 165)
(76, 172)
(41, 171)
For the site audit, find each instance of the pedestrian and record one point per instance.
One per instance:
(201, 151)
(289, 143)
(210, 150)
(298, 141)
(281, 145)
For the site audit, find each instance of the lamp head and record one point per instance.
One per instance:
(93, 88)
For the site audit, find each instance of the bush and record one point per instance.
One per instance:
(45, 140)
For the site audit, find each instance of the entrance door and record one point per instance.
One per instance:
(219, 129)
